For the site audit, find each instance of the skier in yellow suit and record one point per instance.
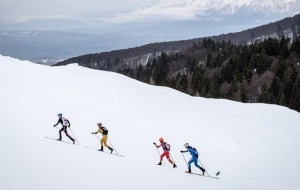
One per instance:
(104, 133)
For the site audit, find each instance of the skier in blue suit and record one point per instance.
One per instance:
(193, 151)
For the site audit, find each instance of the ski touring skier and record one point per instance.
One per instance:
(193, 151)
(65, 124)
(104, 133)
(166, 148)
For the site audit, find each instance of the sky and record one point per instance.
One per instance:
(254, 146)
(131, 15)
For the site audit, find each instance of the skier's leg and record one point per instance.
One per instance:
(161, 156)
(66, 132)
(168, 157)
(195, 160)
(189, 163)
(101, 144)
(196, 164)
(172, 162)
(60, 133)
(104, 140)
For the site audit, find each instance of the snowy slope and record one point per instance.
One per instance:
(256, 146)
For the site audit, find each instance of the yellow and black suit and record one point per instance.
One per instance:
(103, 140)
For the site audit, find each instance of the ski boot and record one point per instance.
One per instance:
(189, 171)
(111, 150)
(159, 164)
(174, 165)
(58, 139)
(101, 149)
(203, 171)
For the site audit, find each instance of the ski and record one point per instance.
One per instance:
(58, 140)
(103, 151)
(203, 175)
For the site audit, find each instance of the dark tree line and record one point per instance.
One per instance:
(266, 72)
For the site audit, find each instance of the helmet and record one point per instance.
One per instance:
(161, 139)
(59, 114)
(186, 145)
(99, 124)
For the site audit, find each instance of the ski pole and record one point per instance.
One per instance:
(108, 142)
(159, 155)
(203, 167)
(96, 136)
(112, 146)
(185, 160)
(74, 136)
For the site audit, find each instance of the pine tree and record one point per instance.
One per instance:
(282, 100)
(253, 61)
(265, 95)
(274, 90)
(227, 71)
(197, 78)
(244, 92)
(161, 69)
(263, 62)
(280, 70)
(295, 99)
(296, 46)
(183, 83)
(284, 51)
(208, 60)
(288, 88)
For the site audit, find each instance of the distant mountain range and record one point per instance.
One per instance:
(38, 46)
(118, 59)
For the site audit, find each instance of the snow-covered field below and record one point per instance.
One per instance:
(255, 146)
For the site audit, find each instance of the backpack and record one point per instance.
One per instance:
(65, 122)
(105, 131)
(167, 146)
(194, 150)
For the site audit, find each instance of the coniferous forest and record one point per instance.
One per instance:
(264, 72)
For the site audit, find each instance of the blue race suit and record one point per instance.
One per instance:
(194, 158)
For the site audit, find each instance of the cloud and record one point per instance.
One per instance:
(197, 9)
(104, 12)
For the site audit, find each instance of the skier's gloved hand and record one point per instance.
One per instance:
(54, 125)
(154, 143)
(93, 133)
(182, 151)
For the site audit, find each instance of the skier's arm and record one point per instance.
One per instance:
(57, 123)
(96, 132)
(157, 146)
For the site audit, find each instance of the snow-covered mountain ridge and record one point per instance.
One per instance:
(229, 6)
(254, 145)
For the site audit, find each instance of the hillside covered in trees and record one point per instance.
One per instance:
(118, 59)
(256, 65)
(265, 72)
